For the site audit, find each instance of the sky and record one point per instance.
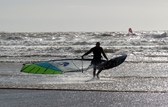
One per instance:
(82, 15)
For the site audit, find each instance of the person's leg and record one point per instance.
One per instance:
(98, 73)
(94, 72)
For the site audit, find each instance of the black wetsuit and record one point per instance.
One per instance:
(97, 51)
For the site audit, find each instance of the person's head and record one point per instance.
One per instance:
(98, 44)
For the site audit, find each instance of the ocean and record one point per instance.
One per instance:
(22, 47)
(145, 68)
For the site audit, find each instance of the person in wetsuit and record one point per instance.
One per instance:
(97, 56)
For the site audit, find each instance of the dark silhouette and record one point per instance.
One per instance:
(130, 31)
(97, 56)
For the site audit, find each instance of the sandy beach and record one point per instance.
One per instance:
(129, 85)
(60, 98)
(126, 86)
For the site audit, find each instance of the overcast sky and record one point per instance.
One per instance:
(83, 15)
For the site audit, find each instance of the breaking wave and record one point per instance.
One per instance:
(48, 45)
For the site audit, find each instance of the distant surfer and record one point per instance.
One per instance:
(130, 31)
(97, 55)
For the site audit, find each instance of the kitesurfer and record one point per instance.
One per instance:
(97, 56)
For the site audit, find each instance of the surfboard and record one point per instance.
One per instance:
(114, 62)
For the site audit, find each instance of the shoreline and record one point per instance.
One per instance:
(150, 77)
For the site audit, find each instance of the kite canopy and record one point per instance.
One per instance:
(57, 66)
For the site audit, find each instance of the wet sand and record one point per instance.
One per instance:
(129, 77)
(130, 85)
(59, 98)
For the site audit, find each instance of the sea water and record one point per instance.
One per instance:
(147, 57)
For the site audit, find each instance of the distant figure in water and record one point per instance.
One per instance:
(130, 31)
(97, 51)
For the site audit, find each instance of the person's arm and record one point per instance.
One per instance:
(104, 54)
(87, 52)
